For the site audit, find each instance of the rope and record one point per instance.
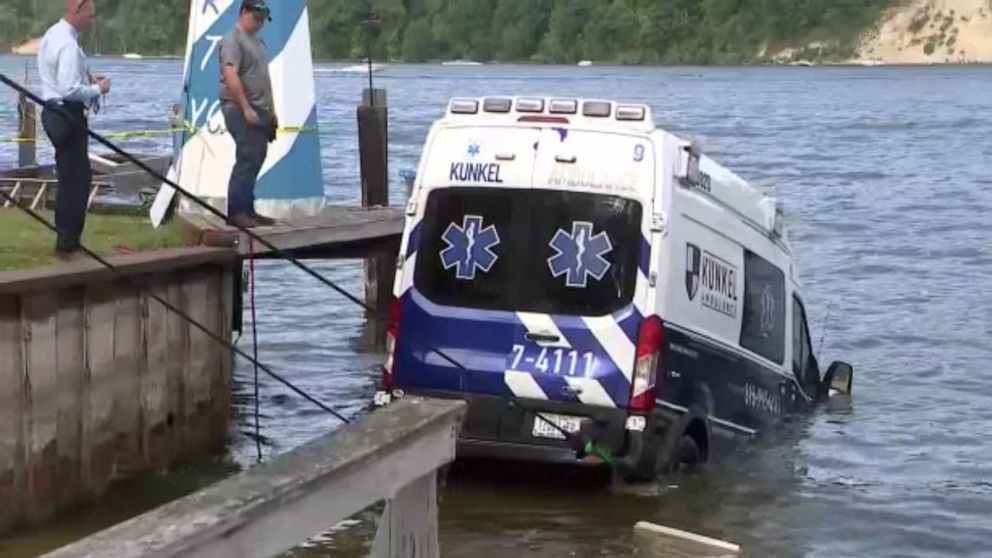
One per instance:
(251, 235)
(254, 340)
(186, 317)
(131, 134)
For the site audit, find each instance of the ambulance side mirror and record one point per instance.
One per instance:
(838, 379)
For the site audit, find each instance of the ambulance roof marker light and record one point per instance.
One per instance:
(530, 105)
(563, 106)
(464, 106)
(631, 112)
(598, 109)
(497, 104)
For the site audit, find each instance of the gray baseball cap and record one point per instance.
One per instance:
(257, 5)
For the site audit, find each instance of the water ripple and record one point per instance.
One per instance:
(885, 173)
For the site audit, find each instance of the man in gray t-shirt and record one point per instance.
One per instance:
(246, 101)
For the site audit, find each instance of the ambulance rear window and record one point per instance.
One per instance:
(544, 251)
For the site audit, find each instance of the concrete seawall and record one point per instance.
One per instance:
(99, 382)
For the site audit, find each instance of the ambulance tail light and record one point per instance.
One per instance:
(392, 331)
(650, 338)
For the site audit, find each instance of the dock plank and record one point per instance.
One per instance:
(335, 227)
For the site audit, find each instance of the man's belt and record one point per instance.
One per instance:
(73, 105)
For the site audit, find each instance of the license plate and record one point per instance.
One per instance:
(544, 430)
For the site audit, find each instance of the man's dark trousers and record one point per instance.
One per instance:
(252, 146)
(72, 164)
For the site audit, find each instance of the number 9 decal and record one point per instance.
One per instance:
(638, 153)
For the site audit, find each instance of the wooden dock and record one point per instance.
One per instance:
(336, 231)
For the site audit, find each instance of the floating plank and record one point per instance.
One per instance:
(335, 227)
(658, 541)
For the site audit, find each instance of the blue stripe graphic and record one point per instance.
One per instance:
(414, 240)
(581, 338)
(479, 341)
(554, 387)
(629, 319)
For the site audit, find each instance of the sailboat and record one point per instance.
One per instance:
(290, 183)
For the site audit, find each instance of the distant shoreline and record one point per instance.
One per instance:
(753, 64)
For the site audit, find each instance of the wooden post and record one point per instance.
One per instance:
(373, 140)
(28, 132)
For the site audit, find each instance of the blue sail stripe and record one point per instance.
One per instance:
(298, 173)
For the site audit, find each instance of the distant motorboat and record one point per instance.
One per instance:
(359, 69)
(585, 63)
(132, 56)
(872, 62)
(461, 63)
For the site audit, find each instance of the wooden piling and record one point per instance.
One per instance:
(28, 131)
(373, 139)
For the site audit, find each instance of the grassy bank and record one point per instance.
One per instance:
(25, 243)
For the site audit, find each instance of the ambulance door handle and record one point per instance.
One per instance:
(571, 390)
(542, 338)
(567, 159)
(506, 156)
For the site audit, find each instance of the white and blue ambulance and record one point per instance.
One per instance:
(569, 267)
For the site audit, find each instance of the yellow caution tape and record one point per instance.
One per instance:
(130, 134)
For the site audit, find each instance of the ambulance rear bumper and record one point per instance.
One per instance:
(502, 428)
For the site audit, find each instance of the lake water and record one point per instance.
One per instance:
(886, 175)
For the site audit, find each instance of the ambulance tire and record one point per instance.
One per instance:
(687, 457)
(664, 455)
(686, 453)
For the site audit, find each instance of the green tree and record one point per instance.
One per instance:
(417, 41)
(678, 31)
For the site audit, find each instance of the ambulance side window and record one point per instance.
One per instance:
(763, 328)
(803, 363)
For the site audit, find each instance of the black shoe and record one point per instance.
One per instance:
(262, 220)
(242, 220)
(68, 255)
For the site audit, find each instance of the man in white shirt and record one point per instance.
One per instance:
(70, 92)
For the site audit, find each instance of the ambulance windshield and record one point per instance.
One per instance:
(544, 251)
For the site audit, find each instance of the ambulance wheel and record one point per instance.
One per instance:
(684, 457)
(687, 457)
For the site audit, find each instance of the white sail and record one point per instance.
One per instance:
(290, 183)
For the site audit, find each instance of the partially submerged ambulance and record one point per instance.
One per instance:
(570, 269)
